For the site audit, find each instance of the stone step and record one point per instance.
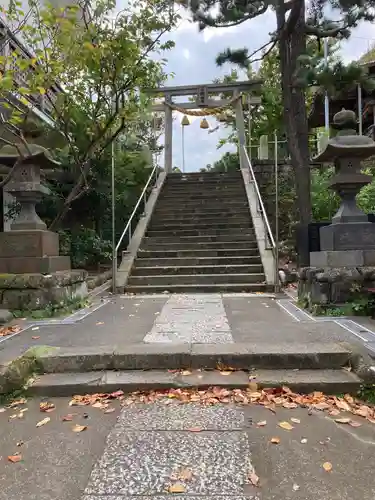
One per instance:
(205, 232)
(194, 279)
(198, 211)
(205, 176)
(202, 202)
(200, 219)
(164, 356)
(196, 261)
(149, 244)
(201, 288)
(209, 195)
(204, 188)
(221, 238)
(198, 270)
(198, 225)
(108, 381)
(202, 253)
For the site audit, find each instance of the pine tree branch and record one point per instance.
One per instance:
(320, 32)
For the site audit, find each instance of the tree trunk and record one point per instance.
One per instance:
(292, 44)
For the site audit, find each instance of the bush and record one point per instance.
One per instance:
(85, 248)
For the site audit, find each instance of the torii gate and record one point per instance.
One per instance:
(202, 100)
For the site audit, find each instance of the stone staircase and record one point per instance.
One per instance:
(200, 239)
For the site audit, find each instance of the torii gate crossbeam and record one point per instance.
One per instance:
(202, 100)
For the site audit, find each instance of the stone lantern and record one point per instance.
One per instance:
(29, 247)
(349, 241)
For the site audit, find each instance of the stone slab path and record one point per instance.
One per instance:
(192, 319)
(139, 452)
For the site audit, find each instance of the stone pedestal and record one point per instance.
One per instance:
(31, 251)
(30, 292)
(342, 258)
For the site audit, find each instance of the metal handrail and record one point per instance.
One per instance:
(260, 201)
(128, 227)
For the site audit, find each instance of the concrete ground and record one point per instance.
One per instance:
(185, 451)
(198, 452)
(197, 319)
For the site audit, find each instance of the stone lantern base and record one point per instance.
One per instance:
(33, 276)
(31, 251)
(343, 258)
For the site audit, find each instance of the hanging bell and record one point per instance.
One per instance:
(185, 121)
(204, 123)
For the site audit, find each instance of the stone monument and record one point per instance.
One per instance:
(347, 254)
(29, 253)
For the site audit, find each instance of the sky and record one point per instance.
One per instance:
(192, 60)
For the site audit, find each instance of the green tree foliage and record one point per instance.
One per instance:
(101, 64)
(228, 162)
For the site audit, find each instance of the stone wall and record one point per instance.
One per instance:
(30, 292)
(322, 287)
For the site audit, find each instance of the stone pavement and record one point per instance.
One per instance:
(208, 452)
(210, 318)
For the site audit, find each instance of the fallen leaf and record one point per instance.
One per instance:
(43, 422)
(303, 440)
(9, 330)
(262, 423)
(46, 406)
(14, 458)
(225, 373)
(36, 337)
(353, 423)
(290, 406)
(79, 428)
(186, 372)
(67, 418)
(100, 323)
(117, 394)
(185, 474)
(109, 410)
(254, 479)
(343, 420)
(286, 426)
(321, 406)
(295, 487)
(99, 405)
(334, 413)
(195, 429)
(327, 466)
(275, 440)
(176, 488)
(20, 443)
(295, 420)
(343, 405)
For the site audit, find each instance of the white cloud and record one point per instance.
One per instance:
(186, 53)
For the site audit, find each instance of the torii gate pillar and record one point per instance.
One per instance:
(168, 136)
